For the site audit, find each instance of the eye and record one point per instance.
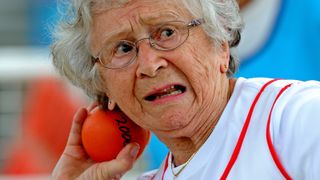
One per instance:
(123, 48)
(164, 33)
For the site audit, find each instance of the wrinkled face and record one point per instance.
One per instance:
(163, 91)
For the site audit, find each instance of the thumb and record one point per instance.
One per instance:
(130, 151)
(123, 163)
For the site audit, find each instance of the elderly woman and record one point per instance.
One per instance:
(167, 65)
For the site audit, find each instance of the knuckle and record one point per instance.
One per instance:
(103, 172)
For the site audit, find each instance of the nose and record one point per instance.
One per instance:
(149, 60)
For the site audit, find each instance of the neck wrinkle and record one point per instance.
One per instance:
(182, 153)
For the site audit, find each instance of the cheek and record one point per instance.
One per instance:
(200, 64)
(204, 60)
(117, 84)
(201, 67)
(120, 87)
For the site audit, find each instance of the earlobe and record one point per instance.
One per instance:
(223, 68)
(111, 105)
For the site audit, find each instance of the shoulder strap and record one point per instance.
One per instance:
(269, 141)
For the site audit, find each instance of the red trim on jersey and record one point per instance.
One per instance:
(270, 145)
(237, 149)
(165, 166)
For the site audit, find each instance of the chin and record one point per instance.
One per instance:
(174, 120)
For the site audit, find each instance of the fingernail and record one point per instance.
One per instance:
(135, 150)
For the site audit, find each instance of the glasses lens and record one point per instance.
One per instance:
(118, 55)
(169, 36)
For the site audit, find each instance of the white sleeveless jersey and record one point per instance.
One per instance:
(294, 131)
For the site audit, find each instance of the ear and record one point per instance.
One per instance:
(111, 104)
(225, 57)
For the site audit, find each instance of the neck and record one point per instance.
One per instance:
(183, 148)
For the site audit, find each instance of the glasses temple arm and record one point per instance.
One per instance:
(196, 22)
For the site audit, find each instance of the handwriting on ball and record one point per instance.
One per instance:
(124, 129)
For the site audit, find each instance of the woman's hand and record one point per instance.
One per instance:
(76, 164)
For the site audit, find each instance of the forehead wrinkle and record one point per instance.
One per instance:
(135, 22)
(115, 32)
(154, 18)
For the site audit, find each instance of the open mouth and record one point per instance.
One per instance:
(170, 91)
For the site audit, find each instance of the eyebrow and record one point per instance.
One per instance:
(150, 20)
(121, 31)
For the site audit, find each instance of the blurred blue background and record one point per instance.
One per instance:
(42, 17)
(281, 39)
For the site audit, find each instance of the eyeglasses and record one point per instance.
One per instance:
(167, 36)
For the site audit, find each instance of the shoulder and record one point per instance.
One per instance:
(299, 103)
(295, 129)
(298, 106)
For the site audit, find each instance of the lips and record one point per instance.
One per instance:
(171, 90)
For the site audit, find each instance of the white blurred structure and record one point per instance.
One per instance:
(18, 66)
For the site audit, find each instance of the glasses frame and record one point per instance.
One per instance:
(191, 24)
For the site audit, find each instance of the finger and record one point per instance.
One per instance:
(75, 132)
(131, 150)
(123, 162)
(92, 106)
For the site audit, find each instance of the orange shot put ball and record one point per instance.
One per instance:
(105, 133)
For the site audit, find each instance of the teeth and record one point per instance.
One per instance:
(166, 90)
(169, 94)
